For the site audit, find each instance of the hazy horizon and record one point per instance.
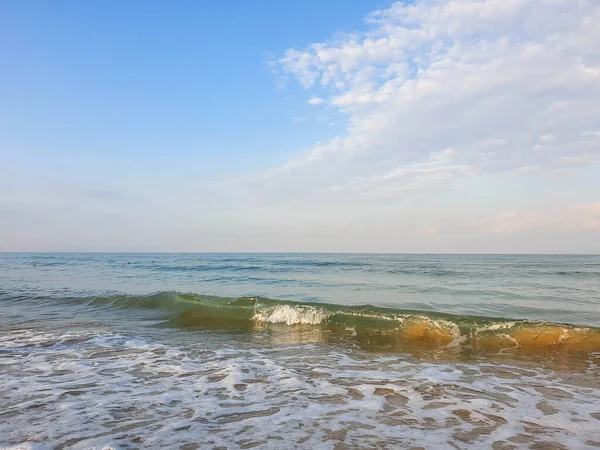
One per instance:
(417, 127)
(291, 253)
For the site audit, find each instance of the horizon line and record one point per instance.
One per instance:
(292, 252)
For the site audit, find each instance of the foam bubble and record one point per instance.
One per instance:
(82, 391)
(292, 315)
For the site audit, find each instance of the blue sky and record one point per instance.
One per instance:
(464, 126)
(140, 79)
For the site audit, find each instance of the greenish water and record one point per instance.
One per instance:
(233, 350)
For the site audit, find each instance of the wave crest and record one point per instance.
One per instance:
(368, 327)
(292, 315)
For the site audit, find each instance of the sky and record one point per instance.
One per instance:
(433, 126)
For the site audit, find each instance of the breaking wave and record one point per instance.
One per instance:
(368, 327)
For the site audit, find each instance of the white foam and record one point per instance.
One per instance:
(114, 391)
(495, 326)
(457, 337)
(291, 315)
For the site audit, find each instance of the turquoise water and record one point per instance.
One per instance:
(322, 350)
(538, 287)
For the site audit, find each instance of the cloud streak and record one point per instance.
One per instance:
(577, 218)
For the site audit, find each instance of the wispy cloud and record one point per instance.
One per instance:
(49, 195)
(505, 85)
(581, 217)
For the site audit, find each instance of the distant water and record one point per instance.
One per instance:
(299, 350)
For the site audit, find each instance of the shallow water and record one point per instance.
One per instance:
(298, 351)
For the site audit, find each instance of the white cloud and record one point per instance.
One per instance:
(430, 175)
(508, 85)
(577, 218)
(509, 222)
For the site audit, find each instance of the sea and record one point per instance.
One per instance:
(294, 351)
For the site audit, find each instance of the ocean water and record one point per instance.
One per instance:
(196, 351)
